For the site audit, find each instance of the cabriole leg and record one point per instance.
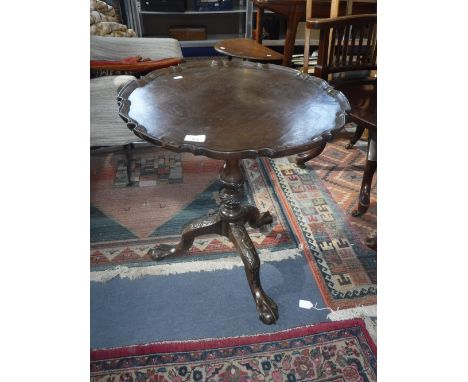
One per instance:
(266, 307)
(210, 224)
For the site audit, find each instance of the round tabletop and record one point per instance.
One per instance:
(232, 109)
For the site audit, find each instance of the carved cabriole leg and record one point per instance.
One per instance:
(369, 170)
(356, 136)
(266, 307)
(229, 221)
(210, 224)
(236, 216)
(304, 157)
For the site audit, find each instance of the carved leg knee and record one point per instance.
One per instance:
(201, 226)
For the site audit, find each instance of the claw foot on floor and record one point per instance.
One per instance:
(267, 309)
(162, 251)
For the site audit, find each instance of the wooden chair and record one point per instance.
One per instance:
(347, 54)
(294, 11)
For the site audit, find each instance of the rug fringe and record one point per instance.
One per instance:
(132, 273)
(357, 312)
(364, 312)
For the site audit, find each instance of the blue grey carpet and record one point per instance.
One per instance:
(199, 305)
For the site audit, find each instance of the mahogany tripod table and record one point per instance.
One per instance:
(230, 111)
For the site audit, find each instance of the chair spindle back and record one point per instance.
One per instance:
(347, 43)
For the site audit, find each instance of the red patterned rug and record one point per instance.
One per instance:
(334, 352)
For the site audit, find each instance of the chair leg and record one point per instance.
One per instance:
(128, 153)
(369, 170)
(364, 195)
(259, 27)
(356, 137)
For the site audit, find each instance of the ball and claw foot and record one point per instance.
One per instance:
(267, 309)
(265, 219)
(255, 218)
(162, 251)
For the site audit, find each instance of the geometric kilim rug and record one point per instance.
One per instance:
(171, 189)
(345, 269)
(338, 352)
(341, 172)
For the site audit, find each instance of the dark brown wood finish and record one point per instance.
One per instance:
(230, 221)
(243, 110)
(369, 170)
(247, 49)
(344, 31)
(295, 11)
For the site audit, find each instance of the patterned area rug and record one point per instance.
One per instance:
(341, 172)
(171, 189)
(338, 352)
(345, 270)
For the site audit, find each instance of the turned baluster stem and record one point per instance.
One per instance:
(232, 177)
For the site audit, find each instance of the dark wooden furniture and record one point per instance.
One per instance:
(348, 45)
(294, 11)
(231, 110)
(247, 49)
